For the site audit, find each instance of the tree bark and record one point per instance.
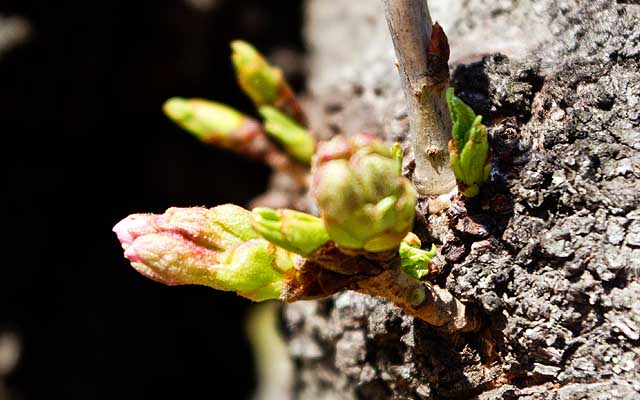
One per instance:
(549, 252)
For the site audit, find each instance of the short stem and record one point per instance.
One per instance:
(423, 52)
(378, 274)
(423, 300)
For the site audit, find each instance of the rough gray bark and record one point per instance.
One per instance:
(550, 252)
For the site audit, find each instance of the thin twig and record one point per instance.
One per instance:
(424, 300)
(330, 271)
(423, 53)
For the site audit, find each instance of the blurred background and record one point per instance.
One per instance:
(84, 144)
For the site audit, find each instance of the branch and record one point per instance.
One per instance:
(330, 271)
(424, 300)
(423, 53)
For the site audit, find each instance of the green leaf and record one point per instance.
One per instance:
(474, 154)
(415, 261)
(469, 149)
(462, 117)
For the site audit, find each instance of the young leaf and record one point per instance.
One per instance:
(469, 149)
(415, 261)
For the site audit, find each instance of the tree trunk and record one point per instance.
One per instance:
(549, 252)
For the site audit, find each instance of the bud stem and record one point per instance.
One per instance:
(329, 271)
(423, 300)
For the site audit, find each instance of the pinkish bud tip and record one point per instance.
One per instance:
(133, 226)
(131, 255)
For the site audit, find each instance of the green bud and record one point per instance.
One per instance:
(212, 123)
(259, 80)
(292, 230)
(469, 148)
(263, 83)
(255, 269)
(415, 261)
(364, 201)
(214, 247)
(296, 140)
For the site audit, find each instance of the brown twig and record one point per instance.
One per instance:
(329, 271)
(422, 51)
(424, 300)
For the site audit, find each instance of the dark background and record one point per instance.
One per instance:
(84, 144)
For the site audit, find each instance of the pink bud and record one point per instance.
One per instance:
(133, 226)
